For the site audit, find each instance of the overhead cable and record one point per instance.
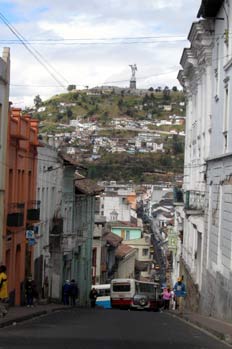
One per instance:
(35, 54)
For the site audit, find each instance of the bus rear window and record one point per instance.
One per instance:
(121, 287)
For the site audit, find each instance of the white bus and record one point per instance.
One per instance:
(131, 293)
(103, 298)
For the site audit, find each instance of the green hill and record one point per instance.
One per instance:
(101, 106)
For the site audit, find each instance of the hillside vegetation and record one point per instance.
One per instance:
(100, 107)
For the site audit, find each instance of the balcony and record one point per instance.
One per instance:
(33, 211)
(19, 128)
(194, 202)
(33, 139)
(15, 216)
(23, 128)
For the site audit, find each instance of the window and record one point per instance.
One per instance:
(226, 110)
(146, 288)
(103, 292)
(226, 118)
(123, 287)
(145, 252)
(217, 71)
(127, 234)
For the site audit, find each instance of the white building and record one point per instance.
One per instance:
(207, 240)
(49, 193)
(4, 104)
(115, 207)
(143, 256)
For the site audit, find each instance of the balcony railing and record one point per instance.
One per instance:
(194, 201)
(15, 216)
(33, 210)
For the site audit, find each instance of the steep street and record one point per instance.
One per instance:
(88, 329)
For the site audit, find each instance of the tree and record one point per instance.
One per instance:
(177, 145)
(151, 89)
(174, 89)
(158, 89)
(37, 101)
(69, 113)
(166, 93)
(71, 87)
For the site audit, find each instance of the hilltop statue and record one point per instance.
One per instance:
(133, 69)
(133, 78)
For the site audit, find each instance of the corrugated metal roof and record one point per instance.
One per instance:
(123, 250)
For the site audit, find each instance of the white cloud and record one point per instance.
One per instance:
(94, 64)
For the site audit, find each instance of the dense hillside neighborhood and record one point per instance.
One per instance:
(120, 128)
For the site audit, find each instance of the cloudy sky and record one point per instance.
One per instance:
(89, 43)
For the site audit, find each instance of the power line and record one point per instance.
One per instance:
(106, 39)
(93, 43)
(37, 56)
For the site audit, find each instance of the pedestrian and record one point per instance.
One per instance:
(180, 294)
(93, 297)
(3, 291)
(73, 292)
(35, 293)
(30, 291)
(65, 292)
(166, 298)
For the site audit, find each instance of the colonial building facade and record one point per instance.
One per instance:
(207, 238)
(4, 103)
(21, 207)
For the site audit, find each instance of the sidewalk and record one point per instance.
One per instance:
(21, 313)
(217, 327)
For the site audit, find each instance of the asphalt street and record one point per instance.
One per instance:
(106, 329)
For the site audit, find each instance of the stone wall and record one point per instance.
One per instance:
(193, 295)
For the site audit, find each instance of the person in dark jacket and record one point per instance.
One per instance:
(73, 292)
(65, 292)
(93, 297)
(31, 292)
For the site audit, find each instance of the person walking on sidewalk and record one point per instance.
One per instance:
(30, 291)
(166, 298)
(3, 291)
(73, 292)
(93, 297)
(180, 294)
(66, 292)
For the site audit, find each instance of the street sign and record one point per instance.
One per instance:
(30, 234)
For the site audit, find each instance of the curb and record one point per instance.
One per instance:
(225, 337)
(22, 318)
(222, 336)
(26, 317)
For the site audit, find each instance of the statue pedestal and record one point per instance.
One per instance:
(133, 84)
